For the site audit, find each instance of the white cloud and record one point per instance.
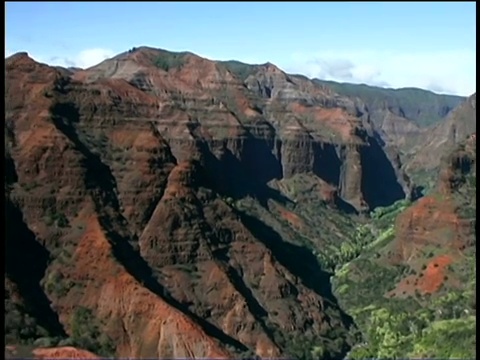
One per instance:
(452, 72)
(84, 59)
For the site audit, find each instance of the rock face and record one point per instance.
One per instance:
(120, 234)
(274, 125)
(64, 352)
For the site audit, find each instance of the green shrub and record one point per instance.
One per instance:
(169, 61)
(57, 219)
(86, 333)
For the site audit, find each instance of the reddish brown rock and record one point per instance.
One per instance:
(63, 353)
(116, 179)
(441, 220)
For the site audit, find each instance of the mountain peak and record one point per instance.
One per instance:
(20, 56)
(271, 68)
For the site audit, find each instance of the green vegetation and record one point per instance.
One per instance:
(401, 327)
(324, 226)
(30, 186)
(56, 283)
(241, 70)
(440, 325)
(169, 60)
(366, 237)
(58, 219)
(447, 339)
(427, 179)
(47, 342)
(22, 329)
(87, 335)
(472, 181)
(306, 348)
(20, 326)
(421, 106)
(418, 334)
(229, 201)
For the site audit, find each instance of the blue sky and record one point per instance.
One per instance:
(428, 45)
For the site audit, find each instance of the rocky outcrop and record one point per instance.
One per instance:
(65, 352)
(459, 166)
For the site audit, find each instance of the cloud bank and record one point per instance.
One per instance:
(84, 59)
(451, 72)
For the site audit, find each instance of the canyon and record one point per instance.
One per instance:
(165, 205)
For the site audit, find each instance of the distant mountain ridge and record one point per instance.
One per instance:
(423, 107)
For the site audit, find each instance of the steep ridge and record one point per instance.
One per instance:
(59, 186)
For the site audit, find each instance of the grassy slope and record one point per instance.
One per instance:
(240, 69)
(440, 325)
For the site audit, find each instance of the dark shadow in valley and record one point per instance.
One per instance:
(230, 177)
(298, 259)
(25, 265)
(326, 163)
(418, 192)
(344, 206)
(380, 185)
(258, 157)
(11, 176)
